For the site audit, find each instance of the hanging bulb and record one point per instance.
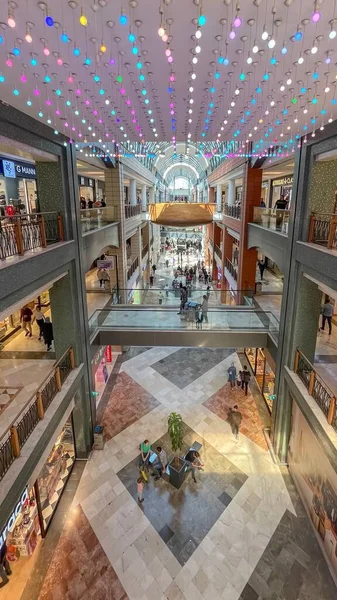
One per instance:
(161, 31)
(198, 34)
(255, 48)
(28, 36)
(83, 19)
(249, 59)
(11, 21)
(271, 43)
(332, 33)
(165, 38)
(300, 60)
(264, 34)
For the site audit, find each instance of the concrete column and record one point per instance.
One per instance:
(144, 197)
(211, 195)
(231, 192)
(115, 197)
(218, 196)
(63, 295)
(133, 192)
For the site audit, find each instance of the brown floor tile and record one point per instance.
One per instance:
(80, 569)
(251, 426)
(128, 402)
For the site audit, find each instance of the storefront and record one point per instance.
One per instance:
(10, 325)
(264, 373)
(32, 514)
(265, 192)
(102, 365)
(238, 194)
(86, 188)
(283, 186)
(17, 187)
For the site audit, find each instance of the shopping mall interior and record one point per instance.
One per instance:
(168, 300)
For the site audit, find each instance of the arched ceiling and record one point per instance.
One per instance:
(180, 170)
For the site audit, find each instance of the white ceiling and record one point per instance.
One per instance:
(180, 22)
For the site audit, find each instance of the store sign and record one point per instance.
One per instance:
(107, 263)
(283, 181)
(11, 521)
(98, 356)
(91, 183)
(108, 354)
(18, 169)
(81, 180)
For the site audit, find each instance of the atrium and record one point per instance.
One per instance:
(168, 300)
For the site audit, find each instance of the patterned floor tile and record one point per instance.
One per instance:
(80, 569)
(251, 425)
(188, 364)
(127, 404)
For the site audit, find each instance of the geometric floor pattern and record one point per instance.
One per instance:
(184, 517)
(7, 395)
(258, 545)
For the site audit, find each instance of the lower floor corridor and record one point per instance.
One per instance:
(239, 532)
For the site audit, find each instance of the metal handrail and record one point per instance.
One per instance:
(233, 271)
(323, 229)
(316, 386)
(33, 396)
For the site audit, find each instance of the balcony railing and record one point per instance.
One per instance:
(316, 387)
(145, 250)
(132, 211)
(33, 411)
(133, 268)
(272, 218)
(230, 267)
(96, 218)
(232, 211)
(218, 251)
(323, 229)
(21, 233)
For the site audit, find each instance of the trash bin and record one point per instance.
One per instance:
(258, 288)
(98, 438)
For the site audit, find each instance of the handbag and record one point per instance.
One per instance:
(238, 382)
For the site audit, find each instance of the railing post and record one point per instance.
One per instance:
(60, 228)
(39, 404)
(296, 361)
(58, 379)
(42, 232)
(72, 358)
(15, 442)
(311, 228)
(18, 237)
(332, 228)
(332, 410)
(311, 382)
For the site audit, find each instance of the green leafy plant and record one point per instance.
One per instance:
(176, 431)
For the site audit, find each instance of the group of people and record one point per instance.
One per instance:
(89, 203)
(241, 379)
(27, 318)
(158, 463)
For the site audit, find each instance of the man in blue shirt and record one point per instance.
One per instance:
(327, 313)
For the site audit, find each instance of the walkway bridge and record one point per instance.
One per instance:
(182, 214)
(227, 327)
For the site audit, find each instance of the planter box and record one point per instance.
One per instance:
(177, 476)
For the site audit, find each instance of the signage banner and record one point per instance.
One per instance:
(108, 354)
(8, 168)
(13, 169)
(16, 511)
(283, 181)
(107, 263)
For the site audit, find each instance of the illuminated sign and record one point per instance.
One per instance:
(11, 521)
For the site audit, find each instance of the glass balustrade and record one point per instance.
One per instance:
(272, 218)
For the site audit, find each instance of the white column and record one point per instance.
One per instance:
(218, 196)
(144, 198)
(231, 192)
(133, 192)
(151, 196)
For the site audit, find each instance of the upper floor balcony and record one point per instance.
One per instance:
(323, 230)
(132, 210)
(93, 219)
(21, 234)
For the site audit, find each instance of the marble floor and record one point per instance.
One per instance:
(239, 533)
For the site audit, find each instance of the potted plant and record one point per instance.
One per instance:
(177, 465)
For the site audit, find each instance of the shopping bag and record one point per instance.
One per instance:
(238, 382)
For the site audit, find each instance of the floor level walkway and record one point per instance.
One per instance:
(238, 533)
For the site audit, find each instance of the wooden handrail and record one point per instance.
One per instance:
(312, 378)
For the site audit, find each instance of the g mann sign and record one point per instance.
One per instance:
(16, 511)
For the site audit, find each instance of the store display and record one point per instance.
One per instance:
(23, 538)
(264, 375)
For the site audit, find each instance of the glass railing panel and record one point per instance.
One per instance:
(272, 218)
(96, 218)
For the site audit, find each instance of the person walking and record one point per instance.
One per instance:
(39, 318)
(234, 419)
(232, 375)
(193, 457)
(140, 490)
(327, 314)
(166, 288)
(245, 379)
(160, 297)
(26, 320)
(262, 266)
(100, 277)
(48, 335)
(204, 309)
(236, 256)
(183, 299)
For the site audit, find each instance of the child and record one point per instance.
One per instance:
(140, 488)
